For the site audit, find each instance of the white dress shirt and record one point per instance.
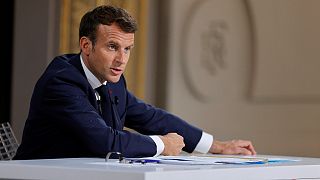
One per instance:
(203, 145)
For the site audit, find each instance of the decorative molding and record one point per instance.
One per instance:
(206, 46)
(213, 47)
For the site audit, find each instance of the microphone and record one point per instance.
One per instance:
(99, 106)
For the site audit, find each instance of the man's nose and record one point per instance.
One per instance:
(121, 57)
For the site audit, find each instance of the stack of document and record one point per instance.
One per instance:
(201, 160)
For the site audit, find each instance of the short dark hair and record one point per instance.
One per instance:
(106, 15)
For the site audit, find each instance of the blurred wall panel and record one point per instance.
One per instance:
(223, 55)
(287, 50)
(36, 33)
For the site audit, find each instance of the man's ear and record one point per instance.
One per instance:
(85, 45)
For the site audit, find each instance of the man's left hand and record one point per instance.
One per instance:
(240, 147)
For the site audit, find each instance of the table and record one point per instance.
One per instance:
(96, 168)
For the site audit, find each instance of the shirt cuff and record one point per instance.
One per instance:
(159, 144)
(205, 143)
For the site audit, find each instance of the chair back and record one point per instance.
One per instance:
(8, 142)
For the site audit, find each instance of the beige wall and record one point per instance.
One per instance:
(249, 70)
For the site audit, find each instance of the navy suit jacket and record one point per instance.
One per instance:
(64, 120)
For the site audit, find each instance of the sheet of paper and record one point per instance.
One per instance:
(208, 160)
(202, 160)
(213, 160)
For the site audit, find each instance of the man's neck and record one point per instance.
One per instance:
(92, 79)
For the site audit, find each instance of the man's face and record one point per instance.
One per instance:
(108, 58)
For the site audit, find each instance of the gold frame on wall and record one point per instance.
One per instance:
(73, 10)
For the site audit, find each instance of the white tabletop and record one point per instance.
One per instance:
(96, 168)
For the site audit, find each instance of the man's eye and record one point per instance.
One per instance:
(112, 47)
(127, 50)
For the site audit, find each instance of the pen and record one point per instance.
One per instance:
(143, 161)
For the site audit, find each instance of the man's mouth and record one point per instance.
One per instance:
(116, 71)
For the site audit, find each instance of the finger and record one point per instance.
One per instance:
(246, 144)
(241, 143)
(177, 152)
(243, 151)
(251, 148)
(182, 145)
(179, 138)
(172, 134)
(176, 136)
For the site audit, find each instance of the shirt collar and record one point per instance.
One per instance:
(93, 80)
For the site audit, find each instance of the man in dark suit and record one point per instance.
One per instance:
(81, 104)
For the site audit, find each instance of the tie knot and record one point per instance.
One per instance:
(103, 91)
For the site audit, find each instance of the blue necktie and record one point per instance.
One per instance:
(107, 107)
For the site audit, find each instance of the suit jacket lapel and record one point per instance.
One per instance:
(76, 62)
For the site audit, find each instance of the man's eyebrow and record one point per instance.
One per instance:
(112, 42)
(117, 44)
(131, 46)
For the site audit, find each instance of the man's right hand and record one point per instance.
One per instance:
(173, 144)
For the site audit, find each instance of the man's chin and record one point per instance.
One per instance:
(114, 79)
